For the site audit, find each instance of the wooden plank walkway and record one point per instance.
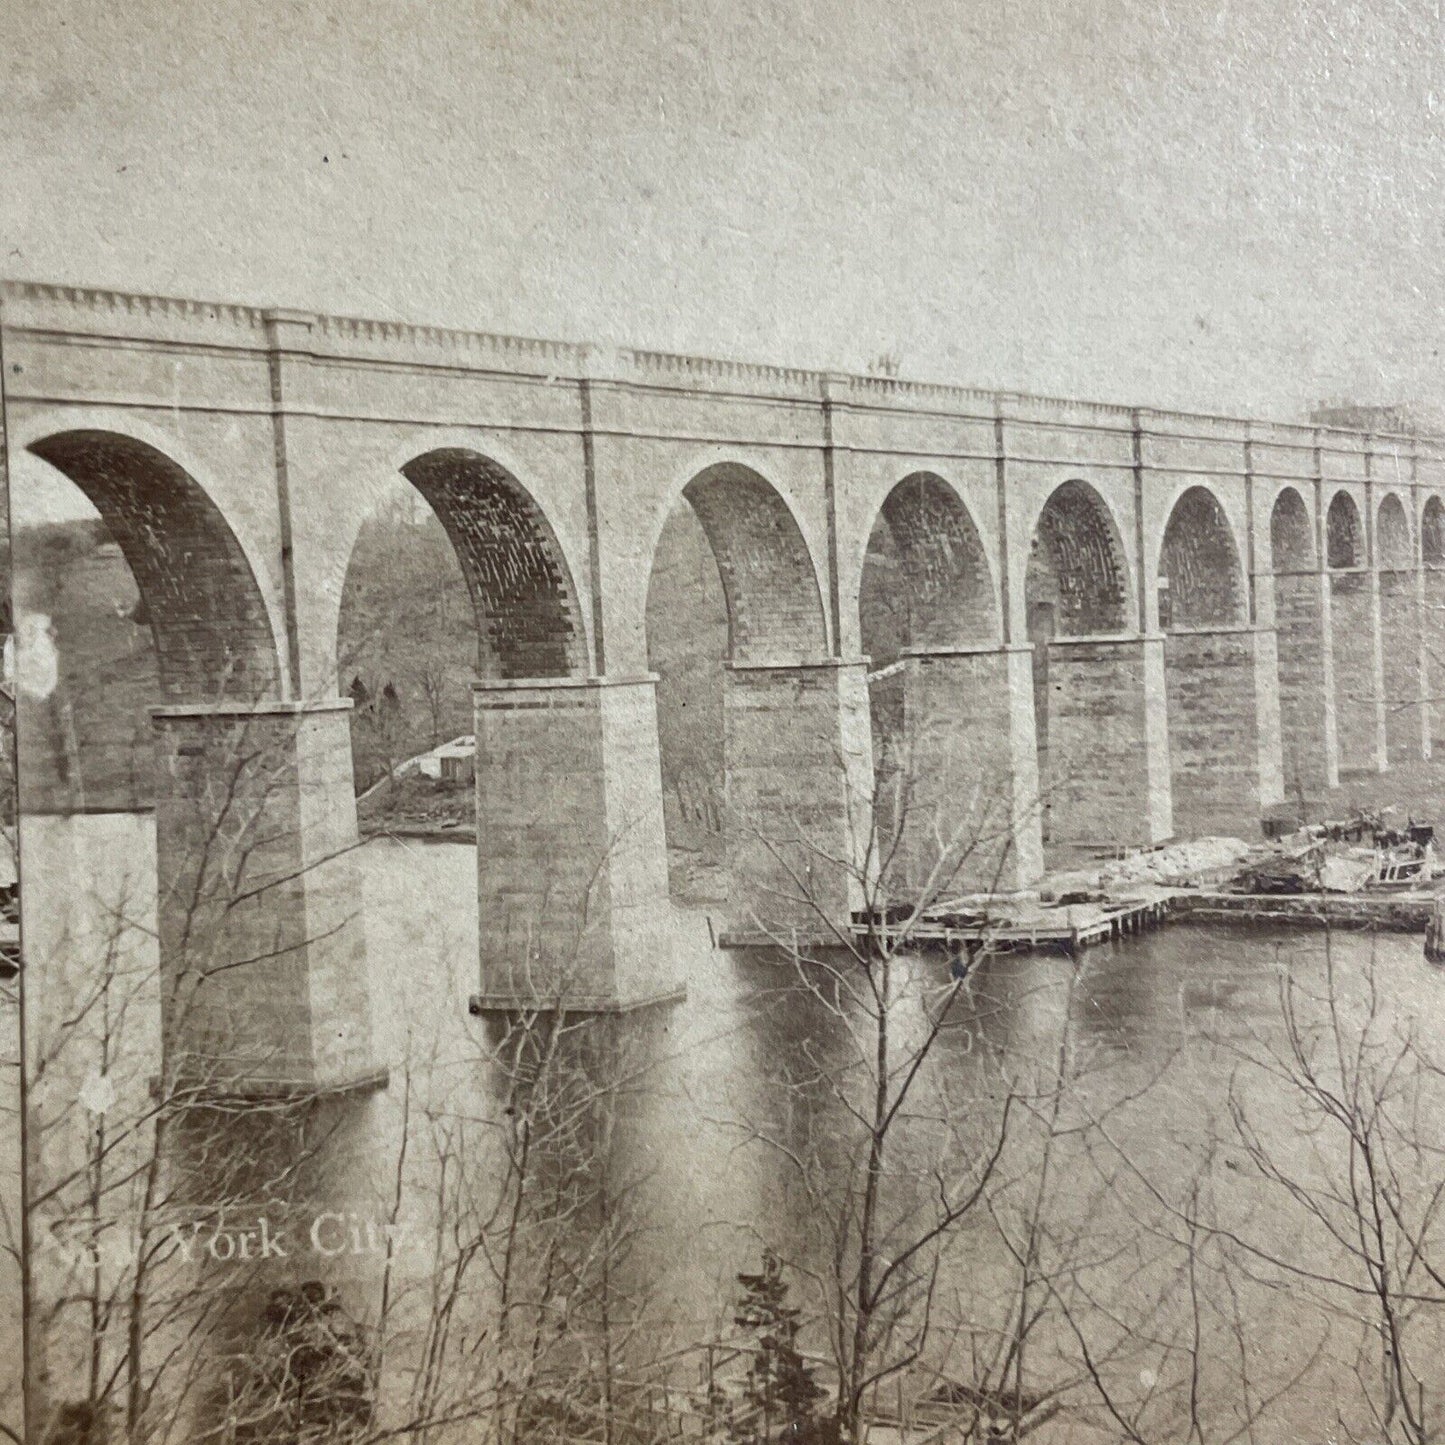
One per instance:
(1061, 929)
(1070, 928)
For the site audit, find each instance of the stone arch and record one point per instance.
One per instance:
(198, 592)
(1432, 532)
(471, 586)
(926, 581)
(925, 586)
(1201, 580)
(1291, 537)
(1076, 586)
(1210, 697)
(774, 603)
(525, 601)
(1076, 568)
(1392, 528)
(1353, 637)
(1344, 538)
(730, 581)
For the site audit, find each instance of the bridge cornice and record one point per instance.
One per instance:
(91, 311)
(65, 311)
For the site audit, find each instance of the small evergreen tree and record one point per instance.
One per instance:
(781, 1398)
(310, 1379)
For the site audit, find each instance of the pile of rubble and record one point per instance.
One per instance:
(1191, 864)
(1332, 857)
(1344, 858)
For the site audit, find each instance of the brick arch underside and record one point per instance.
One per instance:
(1393, 534)
(528, 622)
(1343, 537)
(1432, 531)
(926, 581)
(774, 605)
(1291, 540)
(199, 595)
(1076, 567)
(1201, 562)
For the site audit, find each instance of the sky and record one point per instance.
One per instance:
(1221, 206)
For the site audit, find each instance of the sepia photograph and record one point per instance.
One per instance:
(722, 724)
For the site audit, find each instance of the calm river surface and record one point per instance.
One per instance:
(737, 1127)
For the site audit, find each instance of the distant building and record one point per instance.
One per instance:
(1398, 418)
(453, 762)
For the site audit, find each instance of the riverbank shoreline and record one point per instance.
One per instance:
(422, 833)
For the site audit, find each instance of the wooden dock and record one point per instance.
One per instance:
(1065, 928)
(1069, 928)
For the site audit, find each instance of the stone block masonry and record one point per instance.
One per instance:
(1432, 626)
(262, 943)
(798, 795)
(1306, 702)
(1359, 706)
(1224, 730)
(1400, 643)
(968, 814)
(572, 868)
(1108, 757)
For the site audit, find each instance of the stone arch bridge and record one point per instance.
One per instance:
(1101, 623)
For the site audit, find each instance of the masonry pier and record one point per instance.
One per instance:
(1224, 728)
(1108, 748)
(1306, 694)
(1432, 626)
(1402, 665)
(259, 906)
(797, 795)
(1358, 670)
(571, 864)
(970, 820)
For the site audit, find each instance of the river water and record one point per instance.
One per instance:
(1128, 1199)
